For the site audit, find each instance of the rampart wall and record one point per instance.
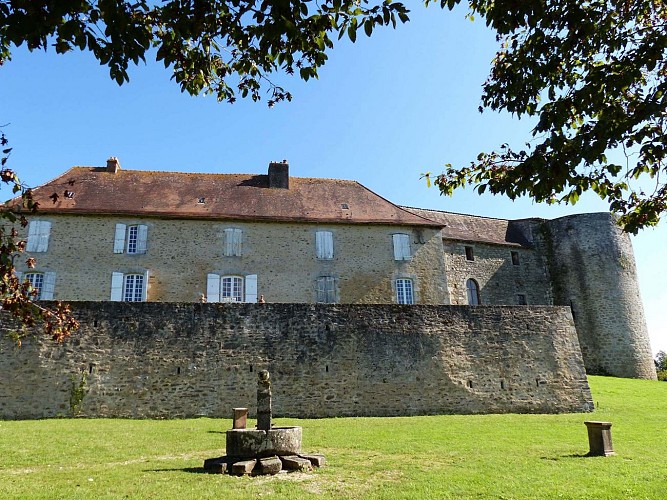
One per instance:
(187, 359)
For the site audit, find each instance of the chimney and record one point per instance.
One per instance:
(279, 175)
(113, 165)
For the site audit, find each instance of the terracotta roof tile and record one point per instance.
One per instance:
(474, 228)
(94, 190)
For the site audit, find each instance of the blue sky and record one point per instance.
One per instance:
(383, 111)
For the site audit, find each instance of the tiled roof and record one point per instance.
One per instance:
(95, 190)
(473, 228)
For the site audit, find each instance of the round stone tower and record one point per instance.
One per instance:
(593, 270)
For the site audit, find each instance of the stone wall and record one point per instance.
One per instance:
(593, 271)
(180, 253)
(187, 359)
(500, 280)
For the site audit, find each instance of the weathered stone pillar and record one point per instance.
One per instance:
(599, 438)
(263, 401)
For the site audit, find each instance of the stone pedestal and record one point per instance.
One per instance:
(246, 443)
(599, 438)
(240, 418)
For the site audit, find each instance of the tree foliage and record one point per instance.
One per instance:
(17, 297)
(593, 74)
(661, 365)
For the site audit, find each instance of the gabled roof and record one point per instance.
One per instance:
(473, 228)
(96, 190)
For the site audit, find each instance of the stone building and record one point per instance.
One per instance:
(104, 233)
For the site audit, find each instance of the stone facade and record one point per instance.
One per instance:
(186, 359)
(180, 253)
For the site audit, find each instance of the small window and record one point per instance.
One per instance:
(133, 288)
(42, 284)
(401, 247)
(233, 240)
(324, 245)
(130, 239)
(515, 258)
(521, 299)
(345, 206)
(326, 290)
(231, 288)
(404, 291)
(472, 288)
(470, 254)
(38, 236)
(201, 200)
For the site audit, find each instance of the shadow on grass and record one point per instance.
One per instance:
(216, 432)
(191, 470)
(572, 455)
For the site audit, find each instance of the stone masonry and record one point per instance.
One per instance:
(156, 360)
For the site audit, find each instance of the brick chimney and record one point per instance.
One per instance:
(113, 165)
(279, 175)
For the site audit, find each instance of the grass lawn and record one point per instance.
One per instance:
(450, 456)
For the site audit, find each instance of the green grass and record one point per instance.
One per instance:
(480, 456)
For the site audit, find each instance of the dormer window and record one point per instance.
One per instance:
(69, 194)
(201, 200)
(345, 206)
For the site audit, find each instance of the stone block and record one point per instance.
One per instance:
(599, 438)
(216, 465)
(315, 460)
(269, 465)
(296, 463)
(240, 418)
(243, 467)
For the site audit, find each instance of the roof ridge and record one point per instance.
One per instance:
(245, 174)
(459, 213)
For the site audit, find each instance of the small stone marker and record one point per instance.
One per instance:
(243, 467)
(599, 438)
(263, 401)
(240, 418)
(216, 465)
(269, 465)
(296, 463)
(316, 460)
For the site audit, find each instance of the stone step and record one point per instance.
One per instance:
(294, 462)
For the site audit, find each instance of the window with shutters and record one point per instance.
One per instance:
(401, 246)
(472, 289)
(326, 290)
(42, 284)
(233, 240)
(229, 288)
(130, 239)
(133, 288)
(324, 245)
(404, 291)
(129, 287)
(38, 236)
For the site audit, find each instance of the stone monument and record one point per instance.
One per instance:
(266, 449)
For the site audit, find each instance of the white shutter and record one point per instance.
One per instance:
(324, 244)
(251, 288)
(49, 286)
(142, 236)
(144, 292)
(405, 243)
(44, 233)
(397, 247)
(229, 243)
(116, 287)
(119, 239)
(238, 237)
(212, 288)
(33, 234)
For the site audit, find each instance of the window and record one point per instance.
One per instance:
(222, 288)
(233, 237)
(515, 258)
(43, 283)
(130, 239)
(473, 292)
(326, 290)
(521, 299)
(401, 246)
(130, 287)
(38, 236)
(324, 245)
(470, 254)
(404, 291)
